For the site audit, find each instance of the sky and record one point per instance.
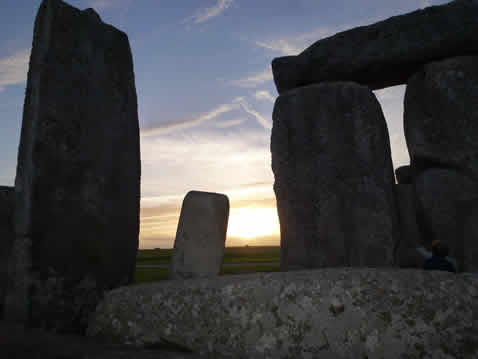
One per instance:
(205, 96)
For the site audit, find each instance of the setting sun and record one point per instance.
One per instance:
(252, 222)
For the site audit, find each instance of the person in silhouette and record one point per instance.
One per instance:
(438, 261)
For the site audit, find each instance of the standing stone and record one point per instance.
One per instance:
(404, 175)
(385, 53)
(407, 255)
(6, 237)
(441, 116)
(470, 237)
(441, 194)
(201, 236)
(78, 174)
(333, 177)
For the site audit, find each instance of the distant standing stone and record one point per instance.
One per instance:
(6, 237)
(201, 236)
(385, 53)
(441, 116)
(78, 173)
(333, 177)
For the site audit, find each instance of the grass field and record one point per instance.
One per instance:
(232, 255)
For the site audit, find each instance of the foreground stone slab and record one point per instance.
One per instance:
(326, 313)
(6, 237)
(201, 236)
(441, 116)
(443, 198)
(385, 53)
(78, 174)
(333, 177)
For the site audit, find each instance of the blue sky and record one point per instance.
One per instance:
(205, 93)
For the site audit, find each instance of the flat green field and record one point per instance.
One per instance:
(252, 258)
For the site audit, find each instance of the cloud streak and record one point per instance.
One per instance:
(14, 68)
(293, 45)
(105, 4)
(264, 95)
(206, 14)
(170, 126)
(254, 80)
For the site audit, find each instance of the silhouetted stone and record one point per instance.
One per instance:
(201, 236)
(78, 174)
(441, 194)
(470, 237)
(333, 177)
(404, 175)
(6, 237)
(385, 53)
(406, 250)
(441, 116)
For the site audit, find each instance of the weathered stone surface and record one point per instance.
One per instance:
(6, 237)
(333, 177)
(441, 195)
(78, 173)
(441, 116)
(407, 255)
(470, 237)
(201, 236)
(404, 175)
(386, 53)
(326, 313)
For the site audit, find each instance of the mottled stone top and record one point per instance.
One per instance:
(325, 313)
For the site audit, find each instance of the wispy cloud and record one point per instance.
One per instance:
(14, 68)
(230, 123)
(264, 122)
(293, 45)
(206, 14)
(237, 104)
(170, 126)
(264, 95)
(254, 80)
(105, 4)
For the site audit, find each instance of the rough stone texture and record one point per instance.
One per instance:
(326, 313)
(407, 255)
(333, 177)
(201, 236)
(404, 175)
(441, 116)
(6, 237)
(386, 53)
(18, 343)
(441, 197)
(470, 236)
(78, 172)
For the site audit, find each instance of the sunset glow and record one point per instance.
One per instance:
(250, 223)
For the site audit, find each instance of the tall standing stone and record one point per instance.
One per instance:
(6, 237)
(441, 116)
(78, 173)
(201, 236)
(333, 177)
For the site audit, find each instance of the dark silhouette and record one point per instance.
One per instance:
(438, 260)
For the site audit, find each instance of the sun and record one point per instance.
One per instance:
(250, 223)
